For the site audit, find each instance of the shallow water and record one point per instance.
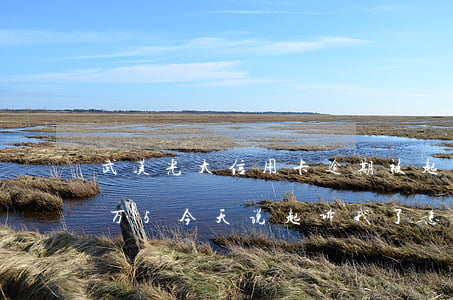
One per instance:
(17, 135)
(166, 197)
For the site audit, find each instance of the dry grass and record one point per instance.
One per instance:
(51, 129)
(26, 193)
(65, 265)
(147, 129)
(275, 146)
(47, 138)
(403, 130)
(446, 145)
(22, 119)
(30, 144)
(380, 259)
(357, 159)
(382, 181)
(413, 243)
(443, 155)
(180, 143)
(369, 125)
(49, 154)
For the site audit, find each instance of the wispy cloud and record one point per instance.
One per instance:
(231, 82)
(168, 73)
(6, 93)
(289, 47)
(19, 37)
(250, 47)
(384, 8)
(270, 12)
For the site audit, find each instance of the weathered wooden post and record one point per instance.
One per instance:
(132, 228)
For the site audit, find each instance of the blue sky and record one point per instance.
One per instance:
(337, 57)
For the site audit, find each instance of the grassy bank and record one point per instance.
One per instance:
(380, 259)
(49, 154)
(412, 261)
(413, 181)
(27, 193)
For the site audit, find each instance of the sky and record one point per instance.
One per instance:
(333, 56)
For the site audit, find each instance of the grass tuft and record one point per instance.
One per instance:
(27, 193)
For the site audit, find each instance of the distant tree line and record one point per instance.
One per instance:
(92, 110)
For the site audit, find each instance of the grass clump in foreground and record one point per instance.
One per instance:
(414, 181)
(65, 265)
(49, 154)
(27, 193)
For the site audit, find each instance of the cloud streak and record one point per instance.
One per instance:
(245, 47)
(384, 8)
(270, 12)
(20, 37)
(167, 73)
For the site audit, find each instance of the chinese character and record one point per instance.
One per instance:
(430, 218)
(186, 216)
(241, 170)
(141, 169)
(363, 214)
(398, 212)
(293, 219)
(172, 168)
(301, 167)
(328, 215)
(221, 217)
(146, 217)
(429, 169)
(205, 166)
(333, 167)
(366, 167)
(271, 167)
(107, 167)
(258, 216)
(117, 215)
(396, 168)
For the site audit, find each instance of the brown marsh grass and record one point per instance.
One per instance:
(367, 125)
(450, 145)
(184, 143)
(31, 144)
(49, 154)
(275, 146)
(27, 193)
(443, 155)
(50, 129)
(29, 119)
(47, 138)
(65, 265)
(403, 130)
(357, 159)
(414, 181)
(365, 253)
